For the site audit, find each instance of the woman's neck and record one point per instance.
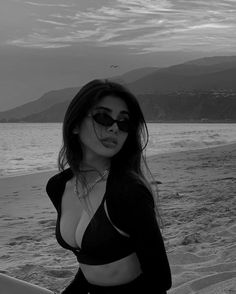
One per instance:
(98, 164)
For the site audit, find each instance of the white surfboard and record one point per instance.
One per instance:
(10, 285)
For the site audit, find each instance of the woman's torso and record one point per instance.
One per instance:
(75, 221)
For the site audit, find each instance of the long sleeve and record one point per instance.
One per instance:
(52, 189)
(56, 185)
(138, 219)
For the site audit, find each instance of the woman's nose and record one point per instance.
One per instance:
(113, 128)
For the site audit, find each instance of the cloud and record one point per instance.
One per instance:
(146, 7)
(210, 26)
(47, 4)
(42, 44)
(141, 25)
(40, 40)
(52, 22)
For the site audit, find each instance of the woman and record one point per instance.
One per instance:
(106, 211)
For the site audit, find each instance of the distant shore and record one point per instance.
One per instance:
(148, 121)
(197, 205)
(204, 121)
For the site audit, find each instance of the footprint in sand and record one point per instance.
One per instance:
(221, 283)
(214, 284)
(232, 229)
(47, 223)
(228, 254)
(188, 258)
(59, 273)
(36, 188)
(217, 268)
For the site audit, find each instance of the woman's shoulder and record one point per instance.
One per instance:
(60, 177)
(127, 200)
(132, 190)
(56, 185)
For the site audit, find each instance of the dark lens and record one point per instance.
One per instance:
(124, 125)
(103, 119)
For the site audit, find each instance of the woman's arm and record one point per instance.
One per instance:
(140, 222)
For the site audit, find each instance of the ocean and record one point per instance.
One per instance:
(27, 148)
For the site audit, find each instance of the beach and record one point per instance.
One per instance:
(198, 208)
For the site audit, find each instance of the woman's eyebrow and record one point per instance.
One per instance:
(110, 110)
(103, 108)
(124, 112)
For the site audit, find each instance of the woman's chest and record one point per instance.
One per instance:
(76, 214)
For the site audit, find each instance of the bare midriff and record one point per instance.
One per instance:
(118, 272)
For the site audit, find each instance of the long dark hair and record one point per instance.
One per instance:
(130, 155)
(130, 159)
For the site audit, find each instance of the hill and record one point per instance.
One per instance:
(48, 100)
(134, 75)
(198, 74)
(190, 106)
(202, 89)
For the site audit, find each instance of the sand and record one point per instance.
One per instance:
(198, 208)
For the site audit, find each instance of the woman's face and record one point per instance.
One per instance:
(100, 140)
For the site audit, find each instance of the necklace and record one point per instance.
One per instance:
(90, 187)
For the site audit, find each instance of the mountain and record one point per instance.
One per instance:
(42, 104)
(203, 66)
(201, 74)
(199, 89)
(190, 106)
(55, 113)
(181, 106)
(213, 61)
(135, 74)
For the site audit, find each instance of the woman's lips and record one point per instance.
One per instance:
(109, 142)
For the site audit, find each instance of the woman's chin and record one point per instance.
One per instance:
(109, 152)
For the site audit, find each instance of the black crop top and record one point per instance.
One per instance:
(130, 207)
(99, 237)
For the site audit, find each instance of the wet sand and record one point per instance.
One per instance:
(198, 208)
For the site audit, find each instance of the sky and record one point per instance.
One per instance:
(52, 44)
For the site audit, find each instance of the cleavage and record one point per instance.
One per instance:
(75, 217)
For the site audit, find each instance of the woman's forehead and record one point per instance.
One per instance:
(112, 104)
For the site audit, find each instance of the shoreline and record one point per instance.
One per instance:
(202, 149)
(148, 158)
(28, 174)
(201, 121)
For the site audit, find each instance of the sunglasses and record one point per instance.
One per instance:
(106, 120)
